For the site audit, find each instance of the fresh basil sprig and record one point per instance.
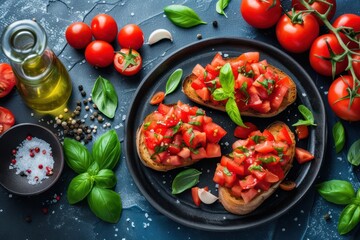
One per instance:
(342, 192)
(307, 114)
(182, 16)
(221, 5)
(185, 180)
(105, 97)
(353, 155)
(226, 91)
(173, 81)
(338, 132)
(95, 175)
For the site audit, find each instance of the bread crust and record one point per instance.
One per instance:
(237, 205)
(289, 98)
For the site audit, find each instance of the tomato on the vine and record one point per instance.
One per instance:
(7, 79)
(296, 31)
(131, 36)
(260, 13)
(128, 62)
(99, 53)
(340, 103)
(78, 35)
(320, 56)
(352, 22)
(356, 64)
(7, 119)
(319, 6)
(104, 27)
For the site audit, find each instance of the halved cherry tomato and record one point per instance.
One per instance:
(7, 119)
(7, 79)
(287, 185)
(128, 62)
(303, 155)
(302, 131)
(157, 98)
(243, 132)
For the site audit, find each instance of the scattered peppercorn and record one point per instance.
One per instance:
(80, 87)
(199, 36)
(327, 216)
(215, 24)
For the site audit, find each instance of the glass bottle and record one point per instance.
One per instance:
(42, 80)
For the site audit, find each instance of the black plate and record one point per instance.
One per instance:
(156, 186)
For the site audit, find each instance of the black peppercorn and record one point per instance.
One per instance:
(215, 24)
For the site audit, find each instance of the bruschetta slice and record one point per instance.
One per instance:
(177, 135)
(260, 89)
(255, 168)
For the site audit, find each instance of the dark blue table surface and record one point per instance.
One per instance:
(139, 219)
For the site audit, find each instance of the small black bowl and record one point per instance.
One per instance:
(10, 140)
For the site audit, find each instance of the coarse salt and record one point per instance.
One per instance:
(33, 159)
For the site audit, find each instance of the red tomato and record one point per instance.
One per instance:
(131, 36)
(243, 132)
(356, 64)
(128, 62)
(99, 53)
(157, 98)
(104, 27)
(319, 6)
(213, 132)
(352, 21)
(287, 185)
(303, 155)
(319, 52)
(78, 35)
(7, 79)
(302, 131)
(284, 135)
(259, 13)
(296, 34)
(7, 119)
(195, 195)
(340, 105)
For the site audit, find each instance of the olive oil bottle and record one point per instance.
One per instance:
(42, 80)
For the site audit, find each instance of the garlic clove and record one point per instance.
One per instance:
(159, 34)
(206, 197)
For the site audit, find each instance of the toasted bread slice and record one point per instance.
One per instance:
(237, 205)
(289, 98)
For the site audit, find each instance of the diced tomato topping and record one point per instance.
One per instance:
(268, 135)
(200, 153)
(211, 72)
(203, 93)
(257, 171)
(302, 155)
(195, 196)
(248, 195)
(263, 185)
(276, 169)
(265, 147)
(250, 57)
(230, 179)
(218, 61)
(184, 153)
(197, 84)
(236, 191)
(248, 182)
(199, 71)
(277, 96)
(219, 175)
(213, 150)
(243, 132)
(235, 167)
(284, 135)
(271, 177)
(214, 132)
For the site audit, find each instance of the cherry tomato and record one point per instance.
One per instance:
(131, 36)
(319, 6)
(243, 132)
(157, 98)
(356, 64)
(7, 79)
(99, 53)
(303, 155)
(352, 21)
(260, 13)
(104, 27)
(296, 34)
(337, 91)
(7, 119)
(128, 62)
(287, 185)
(78, 35)
(302, 131)
(319, 55)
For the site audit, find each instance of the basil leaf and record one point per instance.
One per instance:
(105, 97)
(105, 204)
(338, 136)
(349, 218)
(106, 150)
(105, 178)
(219, 94)
(353, 155)
(336, 191)
(185, 180)
(182, 16)
(221, 5)
(233, 111)
(173, 81)
(79, 188)
(227, 79)
(93, 169)
(77, 156)
(307, 114)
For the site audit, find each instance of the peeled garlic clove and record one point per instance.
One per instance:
(159, 34)
(206, 197)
